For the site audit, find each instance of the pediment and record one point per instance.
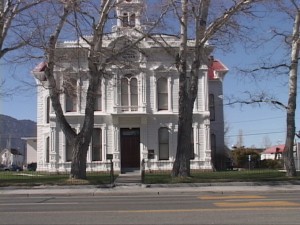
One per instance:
(125, 50)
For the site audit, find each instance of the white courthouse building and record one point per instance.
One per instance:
(136, 113)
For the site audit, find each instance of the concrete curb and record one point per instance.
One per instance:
(154, 189)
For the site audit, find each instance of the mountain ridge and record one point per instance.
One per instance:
(12, 130)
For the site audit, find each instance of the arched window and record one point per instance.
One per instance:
(162, 94)
(212, 107)
(97, 144)
(134, 94)
(124, 93)
(129, 93)
(163, 139)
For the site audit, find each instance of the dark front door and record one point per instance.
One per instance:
(130, 148)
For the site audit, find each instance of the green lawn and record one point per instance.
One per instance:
(223, 176)
(26, 178)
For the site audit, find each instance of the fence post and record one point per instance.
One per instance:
(143, 171)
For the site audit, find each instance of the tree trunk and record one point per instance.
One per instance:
(181, 166)
(288, 153)
(78, 165)
(83, 139)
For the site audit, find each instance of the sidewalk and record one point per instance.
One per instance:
(166, 189)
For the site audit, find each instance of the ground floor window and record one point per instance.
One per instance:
(97, 145)
(163, 139)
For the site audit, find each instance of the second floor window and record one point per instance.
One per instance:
(162, 94)
(98, 102)
(129, 93)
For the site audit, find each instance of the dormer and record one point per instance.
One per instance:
(129, 14)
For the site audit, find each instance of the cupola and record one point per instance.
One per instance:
(129, 14)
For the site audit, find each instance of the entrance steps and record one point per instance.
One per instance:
(129, 179)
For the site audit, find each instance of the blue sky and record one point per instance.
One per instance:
(21, 102)
(255, 122)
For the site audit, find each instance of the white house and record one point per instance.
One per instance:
(11, 156)
(275, 152)
(136, 113)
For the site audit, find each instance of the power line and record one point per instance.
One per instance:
(275, 132)
(261, 119)
(254, 120)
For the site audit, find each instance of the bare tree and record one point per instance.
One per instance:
(240, 139)
(287, 65)
(266, 142)
(288, 153)
(199, 13)
(96, 68)
(12, 23)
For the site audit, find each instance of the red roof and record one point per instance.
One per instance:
(217, 66)
(274, 149)
(40, 67)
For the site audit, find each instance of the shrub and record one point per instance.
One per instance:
(240, 157)
(271, 164)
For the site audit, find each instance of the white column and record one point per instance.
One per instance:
(207, 147)
(204, 95)
(144, 92)
(196, 139)
(52, 151)
(104, 142)
(116, 87)
(144, 138)
(103, 93)
(170, 88)
(116, 147)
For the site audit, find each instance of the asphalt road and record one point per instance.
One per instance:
(155, 208)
